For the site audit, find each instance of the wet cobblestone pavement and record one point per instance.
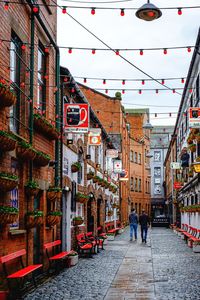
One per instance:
(164, 269)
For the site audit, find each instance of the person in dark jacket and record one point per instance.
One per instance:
(133, 221)
(145, 223)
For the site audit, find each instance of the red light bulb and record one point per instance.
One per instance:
(93, 11)
(123, 82)
(151, 13)
(165, 51)
(170, 114)
(64, 10)
(190, 90)
(123, 91)
(163, 82)
(85, 80)
(174, 91)
(156, 91)
(93, 51)
(106, 91)
(141, 52)
(46, 50)
(35, 9)
(189, 49)
(70, 50)
(117, 52)
(65, 79)
(23, 47)
(140, 92)
(6, 6)
(143, 82)
(179, 11)
(182, 80)
(73, 90)
(122, 13)
(104, 81)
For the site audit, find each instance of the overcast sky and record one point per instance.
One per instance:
(130, 32)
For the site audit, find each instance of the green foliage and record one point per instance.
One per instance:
(54, 213)
(54, 189)
(8, 210)
(78, 218)
(7, 134)
(35, 213)
(73, 253)
(40, 117)
(32, 184)
(77, 164)
(118, 95)
(24, 145)
(9, 176)
(191, 207)
(7, 88)
(91, 172)
(42, 154)
(80, 195)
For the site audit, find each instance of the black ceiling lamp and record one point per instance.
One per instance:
(148, 12)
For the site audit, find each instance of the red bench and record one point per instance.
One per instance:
(24, 271)
(60, 256)
(110, 228)
(84, 246)
(99, 241)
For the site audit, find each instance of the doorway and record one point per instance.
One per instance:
(90, 217)
(99, 201)
(36, 234)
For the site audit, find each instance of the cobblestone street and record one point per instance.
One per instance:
(163, 269)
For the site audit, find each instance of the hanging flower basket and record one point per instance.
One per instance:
(53, 218)
(96, 179)
(54, 193)
(8, 215)
(192, 148)
(7, 96)
(90, 175)
(109, 213)
(77, 221)
(75, 167)
(25, 151)
(110, 188)
(7, 142)
(197, 137)
(31, 188)
(81, 198)
(8, 181)
(41, 159)
(34, 218)
(43, 126)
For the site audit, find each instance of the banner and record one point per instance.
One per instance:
(76, 117)
(194, 117)
(123, 176)
(94, 137)
(112, 153)
(117, 166)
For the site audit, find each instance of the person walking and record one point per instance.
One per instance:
(133, 221)
(145, 223)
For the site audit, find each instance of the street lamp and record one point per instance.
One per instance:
(147, 125)
(148, 12)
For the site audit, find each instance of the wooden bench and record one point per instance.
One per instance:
(85, 248)
(99, 241)
(110, 228)
(60, 256)
(24, 271)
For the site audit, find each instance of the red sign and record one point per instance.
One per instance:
(178, 185)
(76, 117)
(94, 137)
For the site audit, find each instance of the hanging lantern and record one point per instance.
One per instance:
(148, 12)
(140, 91)
(163, 81)
(189, 49)
(143, 82)
(6, 6)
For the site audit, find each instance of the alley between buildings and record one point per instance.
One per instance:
(163, 269)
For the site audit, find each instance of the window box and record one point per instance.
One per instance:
(41, 159)
(53, 218)
(8, 215)
(96, 179)
(31, 188)
(42, 125)
(7, 97)
(54, 193)
(25, 151)
(82, 198)
(7, 142)
(77, 221)
(34, 218)
(8, 181)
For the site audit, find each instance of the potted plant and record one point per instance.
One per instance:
(8, 181)
(53, 218)
(81, 198)
(90, 175)
(7, 141)
(72, 258)
(41, 159)
(8, 215)
(75, 167)
(25, 151)
(192, 147)
(109, 213)
(42, 125)
(96, 179)
(7, 96)
(54, 193)
(34, 218)
(197, 137)
(32, 188)
(78, 220)
(189, 140)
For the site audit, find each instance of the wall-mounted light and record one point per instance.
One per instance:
(88, 156)
(69, 141)
(98, 166)
(66, 188)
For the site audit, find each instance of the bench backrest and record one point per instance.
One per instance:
(80, 237)
(89, 234)
(52, 244)
(12, 256)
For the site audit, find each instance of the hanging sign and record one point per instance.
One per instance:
(123, 176)
(76, 117)
(117, 166)
(175, 165)
(94, 137)
(112, 153)
(178, 185)
(194, 117)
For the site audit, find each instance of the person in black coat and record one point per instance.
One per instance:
(145, 223)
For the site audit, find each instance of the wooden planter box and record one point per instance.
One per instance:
(25, 154)
(7, 98)
(7, 143)
(41, 161)
(77, 222)
(7, 184)
(8, 218)
(31, 192)
(52, 220)
(40, 126)
(32, 221)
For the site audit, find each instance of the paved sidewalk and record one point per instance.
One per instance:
(163, 269)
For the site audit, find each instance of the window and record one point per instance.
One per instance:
(80, 171)
(157, 171)
(157, 155)
(136, 185)
(139, 185)
(139, 158)
(131, 183)
(15, 54)
(131, 155)
(41, 92)
(135, 157)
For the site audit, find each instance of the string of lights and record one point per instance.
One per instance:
(142, 90)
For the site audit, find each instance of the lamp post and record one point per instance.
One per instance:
(148, 12)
